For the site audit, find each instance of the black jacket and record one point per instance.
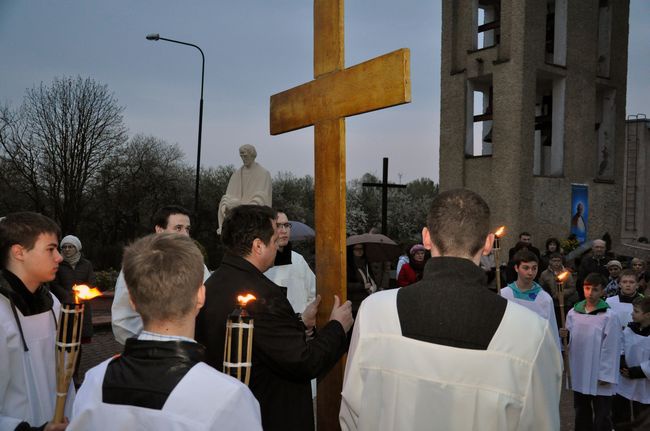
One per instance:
(61, 286)
(284, 361)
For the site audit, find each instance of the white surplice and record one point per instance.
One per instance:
(299, 280)
(28, 378)
(594, 351)
(637, 353)
(397, 383)
(623, 310)
(203, 400)
(542, 305)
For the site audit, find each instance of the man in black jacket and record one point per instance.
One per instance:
(284, 358)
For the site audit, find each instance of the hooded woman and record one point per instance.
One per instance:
(412, 272)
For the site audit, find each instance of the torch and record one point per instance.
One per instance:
(68, 343)
(559, 284)
(238, 351)
(496, 247)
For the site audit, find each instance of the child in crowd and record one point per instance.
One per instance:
(634, 388)
(28, 318)
(594, 353)
(160, 381)
(614, 267)
(622, 303)
(527, 292)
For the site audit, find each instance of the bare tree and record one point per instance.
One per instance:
(57, 142)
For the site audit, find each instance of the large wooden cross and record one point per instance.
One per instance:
(385, 185)
(335, 93)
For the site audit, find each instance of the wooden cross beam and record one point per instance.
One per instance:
(384, 195)
(335, 93)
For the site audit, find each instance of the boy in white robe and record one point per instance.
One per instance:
(527, 292)
(621, 303)
(594, 353)
(28, 319)
(446, 353)
(160, 381)
(634, 386)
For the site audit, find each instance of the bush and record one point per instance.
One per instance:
(105, 280)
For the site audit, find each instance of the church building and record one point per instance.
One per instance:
(533, 111)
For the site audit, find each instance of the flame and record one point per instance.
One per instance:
(243, 300)
(81, 291)
(500, 232)
(561, 277)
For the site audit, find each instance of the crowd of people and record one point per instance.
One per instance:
(498, 357)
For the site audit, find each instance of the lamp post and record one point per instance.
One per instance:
(156, 36)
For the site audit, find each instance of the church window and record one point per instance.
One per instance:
(548, 153)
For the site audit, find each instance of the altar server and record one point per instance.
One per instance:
(527, 292)
(160, 381)
(634, 387)
(594, 353)
(28, 318)
(621, 303)
(445, 353)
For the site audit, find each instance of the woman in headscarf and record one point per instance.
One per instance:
(74, 269)
(412, 272)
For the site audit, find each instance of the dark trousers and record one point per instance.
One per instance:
(622, 409)
(593, 412)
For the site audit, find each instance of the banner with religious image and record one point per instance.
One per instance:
(579, 211)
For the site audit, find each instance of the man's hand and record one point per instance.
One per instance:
(563, 332)
(59, 426)
(309, 315)
(603, 383)
(342, 313)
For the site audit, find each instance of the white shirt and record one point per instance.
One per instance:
(126, 322)
(394, 382)
(299, 280)
(204, 399)
(594, 351)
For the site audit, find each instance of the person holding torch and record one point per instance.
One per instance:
(159, 381)
(28, 315)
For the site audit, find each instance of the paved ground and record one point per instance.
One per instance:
(103, 346)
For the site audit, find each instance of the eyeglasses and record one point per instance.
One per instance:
(286, 226)
(67, 246)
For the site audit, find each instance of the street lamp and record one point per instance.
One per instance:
(156, 36)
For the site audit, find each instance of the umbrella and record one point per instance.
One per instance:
(300, 231)
(379, 248)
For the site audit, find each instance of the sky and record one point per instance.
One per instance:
(253, 49)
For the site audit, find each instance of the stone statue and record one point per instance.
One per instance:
(250, 184)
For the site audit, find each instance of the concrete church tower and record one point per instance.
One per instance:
(533, 101)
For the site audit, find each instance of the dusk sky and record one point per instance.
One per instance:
(253, 49)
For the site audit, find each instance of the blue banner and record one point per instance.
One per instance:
(579, 211)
